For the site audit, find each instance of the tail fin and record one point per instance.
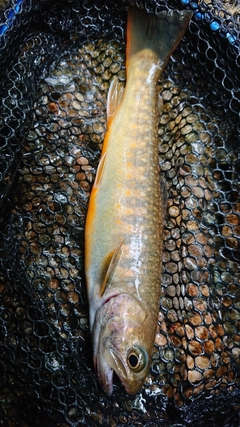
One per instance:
(160, 34)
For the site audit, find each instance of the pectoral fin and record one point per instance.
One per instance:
(109, 266)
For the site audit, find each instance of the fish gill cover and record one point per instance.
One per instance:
(57, 61)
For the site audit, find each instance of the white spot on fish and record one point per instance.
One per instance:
(135, 251)
(152, 72)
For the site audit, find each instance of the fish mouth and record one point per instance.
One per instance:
(105, 371)
(105, 374)
(118, 366)
(105, 378)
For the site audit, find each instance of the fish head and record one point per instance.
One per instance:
(123, 338)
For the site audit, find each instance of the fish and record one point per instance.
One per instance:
(125, 215)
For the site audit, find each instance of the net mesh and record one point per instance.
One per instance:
(57, 63)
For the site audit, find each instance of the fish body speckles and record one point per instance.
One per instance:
(124, 225)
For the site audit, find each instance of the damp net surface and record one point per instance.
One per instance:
(57, 61)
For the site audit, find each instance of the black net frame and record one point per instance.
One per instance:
(50, 103)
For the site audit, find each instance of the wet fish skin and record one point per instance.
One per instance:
(124, 224)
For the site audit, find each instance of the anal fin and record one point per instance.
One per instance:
(114, 99)
(100, 170)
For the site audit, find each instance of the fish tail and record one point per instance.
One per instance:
(159, 34)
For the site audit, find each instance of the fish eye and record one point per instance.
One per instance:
(136, 359)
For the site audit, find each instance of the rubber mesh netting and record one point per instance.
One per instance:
(57, 60)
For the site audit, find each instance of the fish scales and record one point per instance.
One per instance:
(136, 205)
(135, 210)
(124, 224)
